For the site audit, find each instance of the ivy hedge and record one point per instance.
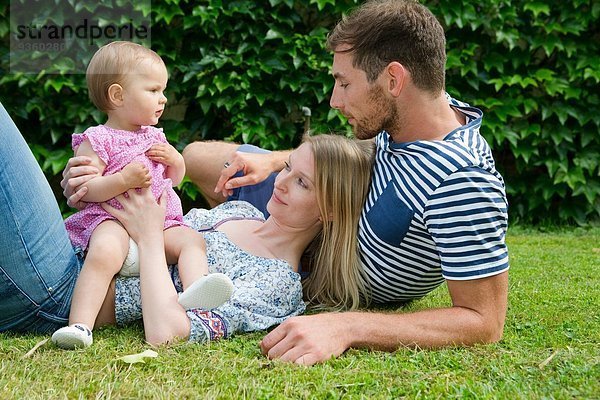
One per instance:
(243, 70)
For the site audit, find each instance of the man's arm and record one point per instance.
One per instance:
(204, 162)
(256, 168)
(477, 316)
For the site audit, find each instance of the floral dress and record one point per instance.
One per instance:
(266, 291)
(117, 148)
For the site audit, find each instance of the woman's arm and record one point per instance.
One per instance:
(164, 319)
(102, 188)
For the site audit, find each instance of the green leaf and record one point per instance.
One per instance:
(537, 8)
(273, 34)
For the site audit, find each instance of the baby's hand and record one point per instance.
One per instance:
(136, 175)
(165, 154)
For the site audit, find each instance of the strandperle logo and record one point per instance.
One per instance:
(90, 31)
(61, 36)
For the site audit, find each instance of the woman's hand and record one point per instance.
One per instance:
(141, 214)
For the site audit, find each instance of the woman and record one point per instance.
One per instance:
(315, 205)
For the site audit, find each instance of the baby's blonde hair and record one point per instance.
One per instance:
(111, 64)
(342, 177)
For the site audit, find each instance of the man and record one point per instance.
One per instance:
(436, 210)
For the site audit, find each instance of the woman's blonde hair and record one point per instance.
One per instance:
(342, 176)
(111, 64)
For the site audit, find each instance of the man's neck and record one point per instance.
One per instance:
(424, 118)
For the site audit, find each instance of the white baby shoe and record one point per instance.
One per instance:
(208, 292)
(73, 336)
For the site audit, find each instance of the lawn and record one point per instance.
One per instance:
(550, 349)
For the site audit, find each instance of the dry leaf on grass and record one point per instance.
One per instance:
(34, 348)
(547, 360)
(139, 357)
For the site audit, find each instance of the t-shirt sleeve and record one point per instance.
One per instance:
(158, 134)
(98, 141)
(467, 219)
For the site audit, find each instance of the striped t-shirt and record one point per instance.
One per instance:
(435, 210)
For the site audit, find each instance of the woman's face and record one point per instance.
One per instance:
(294, 200)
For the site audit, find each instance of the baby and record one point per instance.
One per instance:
(127, 81)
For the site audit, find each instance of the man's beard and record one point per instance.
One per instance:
(385, 116)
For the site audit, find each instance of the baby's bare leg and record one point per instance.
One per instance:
(106, 315)
(187, 248)
(107, 250)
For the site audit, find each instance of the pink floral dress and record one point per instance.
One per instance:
(117, 148)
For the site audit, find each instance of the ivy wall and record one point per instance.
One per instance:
(242, 70)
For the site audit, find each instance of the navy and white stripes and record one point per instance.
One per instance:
(435, 210)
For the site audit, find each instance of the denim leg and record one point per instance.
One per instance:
(38, 266)
(258, 195)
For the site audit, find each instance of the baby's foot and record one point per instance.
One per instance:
(207, 293)
(73, 336)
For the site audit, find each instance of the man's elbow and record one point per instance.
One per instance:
(494, 335)
(491, 332)
(497, 333)
(484, 329)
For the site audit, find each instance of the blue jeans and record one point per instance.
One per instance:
(38, 266)
(258, 195)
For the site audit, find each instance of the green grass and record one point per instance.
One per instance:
(551, 349)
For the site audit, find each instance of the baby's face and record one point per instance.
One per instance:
(143, 93)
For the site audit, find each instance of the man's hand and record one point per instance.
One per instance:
(136, 175)
(77, 172)
(256, 167)
(308, 339)
(477, 316)
(165, 154)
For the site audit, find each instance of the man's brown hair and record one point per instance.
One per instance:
(379, 32)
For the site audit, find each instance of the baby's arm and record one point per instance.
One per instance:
(168, 155)
(102, 188)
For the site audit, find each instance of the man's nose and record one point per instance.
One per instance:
(334, 100)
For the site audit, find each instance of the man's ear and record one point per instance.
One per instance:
(115, 94)
(397, 76)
